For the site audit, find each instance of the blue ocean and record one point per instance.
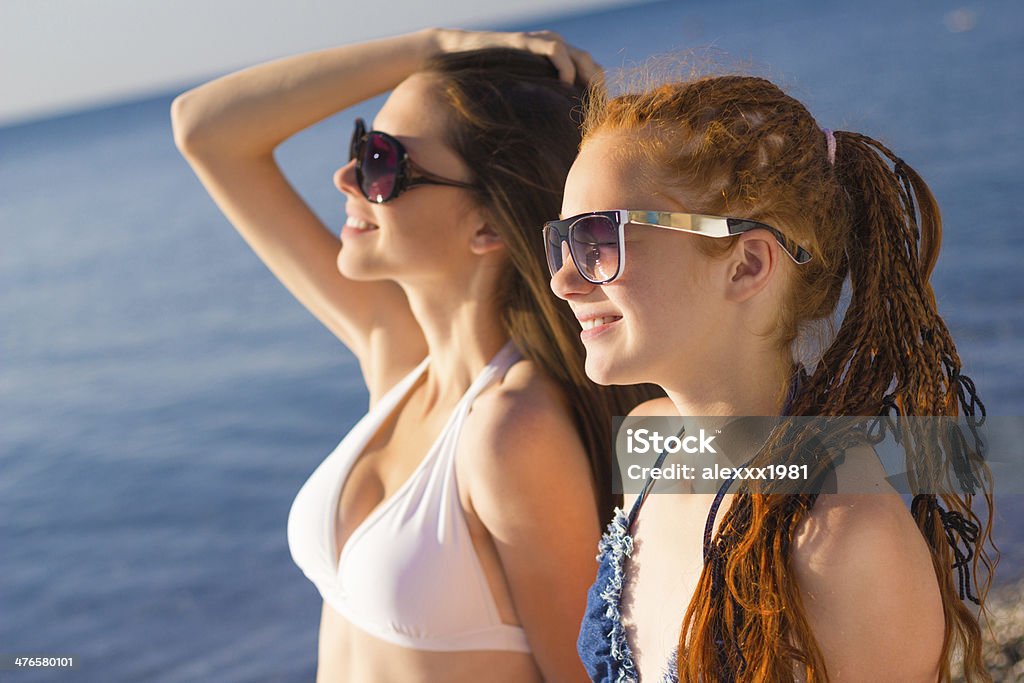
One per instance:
(163, 398)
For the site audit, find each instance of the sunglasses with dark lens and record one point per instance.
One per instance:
(596, 240)
(384, 169)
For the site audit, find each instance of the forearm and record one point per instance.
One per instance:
(250, 112)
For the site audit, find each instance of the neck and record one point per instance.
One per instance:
(732, 382)
(463, 331)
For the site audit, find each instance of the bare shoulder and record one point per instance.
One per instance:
(528, 484)
(525, 414)
(869, 587)
(520, 443)
(656, 407)
(866, 525)
(850, 533)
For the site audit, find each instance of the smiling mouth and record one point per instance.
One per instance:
(597, 322)
(357, 224)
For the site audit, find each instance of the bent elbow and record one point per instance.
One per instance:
(185, 124)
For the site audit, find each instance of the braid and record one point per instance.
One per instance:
(739, 146)
(927, 378)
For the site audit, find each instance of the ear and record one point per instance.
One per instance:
(485, 240)
(751, 265)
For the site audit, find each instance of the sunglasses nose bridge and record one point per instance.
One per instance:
(568, 281)
(566, 255)
(567, 278)
(556, 248)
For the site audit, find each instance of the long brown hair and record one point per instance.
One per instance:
(739, 146)
(517, 127)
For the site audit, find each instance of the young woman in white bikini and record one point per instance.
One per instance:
(451, 532)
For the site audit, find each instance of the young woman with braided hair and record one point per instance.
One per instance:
(840, 587)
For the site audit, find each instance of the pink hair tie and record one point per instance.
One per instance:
(830, 140)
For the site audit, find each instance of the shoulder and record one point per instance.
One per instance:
(520, 443)
(523, 416)
(845, 534)
(865, 526)
(527, 480)
(656, 407)
(869, 587)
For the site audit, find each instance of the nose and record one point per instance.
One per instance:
(567, 282)
(345, 179)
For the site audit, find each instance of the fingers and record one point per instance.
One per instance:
(558, 52)
(586, 68)
(571, 62)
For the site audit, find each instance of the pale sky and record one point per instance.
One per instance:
(58, 55)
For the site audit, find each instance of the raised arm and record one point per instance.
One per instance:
(228, 128)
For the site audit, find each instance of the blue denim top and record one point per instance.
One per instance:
(602, 643)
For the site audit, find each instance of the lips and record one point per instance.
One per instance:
(591, 323)
(360, 224)
(357, 226)
(595, 325)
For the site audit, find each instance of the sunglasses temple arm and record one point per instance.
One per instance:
(793, 250)
(423, 177)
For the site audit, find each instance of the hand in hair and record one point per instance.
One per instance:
(572, 63)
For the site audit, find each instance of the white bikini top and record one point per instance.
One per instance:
(409, 573)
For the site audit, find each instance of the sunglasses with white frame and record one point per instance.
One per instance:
(596, 239)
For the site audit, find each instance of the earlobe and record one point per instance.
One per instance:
(485, 240)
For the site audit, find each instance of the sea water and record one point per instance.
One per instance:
(163, 398)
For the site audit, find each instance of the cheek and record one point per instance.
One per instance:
(664, 309)
(652, 312)
(649, 292)
(423, 233)
(417, 239)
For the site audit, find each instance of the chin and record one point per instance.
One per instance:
(621, 369)
(354, 267)
(602, 370)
